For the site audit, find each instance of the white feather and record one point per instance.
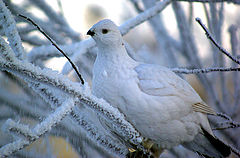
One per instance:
(162, 106)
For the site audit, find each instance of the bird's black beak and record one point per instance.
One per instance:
(91, 33)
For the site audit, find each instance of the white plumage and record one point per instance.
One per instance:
(163, 107)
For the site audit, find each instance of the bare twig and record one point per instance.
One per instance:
(212, 1)
(206, 70)
(227, 125)
(215, 43)
(55, 45)
(224, 116)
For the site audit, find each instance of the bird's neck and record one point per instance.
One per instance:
(115, 54)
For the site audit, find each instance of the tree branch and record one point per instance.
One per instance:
(209, 36)
(94, 135)
(10, 30)
(140, 18)
(206, 70)
(38, 130)
(212, 1)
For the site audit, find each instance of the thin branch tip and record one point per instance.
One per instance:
(197, 19)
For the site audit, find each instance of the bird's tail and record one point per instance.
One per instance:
(208, 146)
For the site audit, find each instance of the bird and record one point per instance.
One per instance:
(162, 106)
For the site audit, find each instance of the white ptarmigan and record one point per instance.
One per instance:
(163, 107)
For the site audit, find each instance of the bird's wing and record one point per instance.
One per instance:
(160, 81)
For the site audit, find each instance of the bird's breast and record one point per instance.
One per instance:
(109, 79)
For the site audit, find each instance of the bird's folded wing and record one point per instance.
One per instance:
(160, 81)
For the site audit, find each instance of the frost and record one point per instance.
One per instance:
(36, 132)
(6, 51)
(10, 30)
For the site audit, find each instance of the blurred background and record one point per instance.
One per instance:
(173, 39)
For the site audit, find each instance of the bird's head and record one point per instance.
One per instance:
(106, 33)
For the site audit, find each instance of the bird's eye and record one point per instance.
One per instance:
(104, 31)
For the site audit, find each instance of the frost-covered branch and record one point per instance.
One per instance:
(38, 130)
(209, 36)
(212, 1)
(147, 14)
(206, 70)
(28, 71)
(114, 147)
(45, 52)
(9, 28)
(58, 18)
(55, 98)
(229, 123)
(17, 128)
(6, 52)
(61, 33)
